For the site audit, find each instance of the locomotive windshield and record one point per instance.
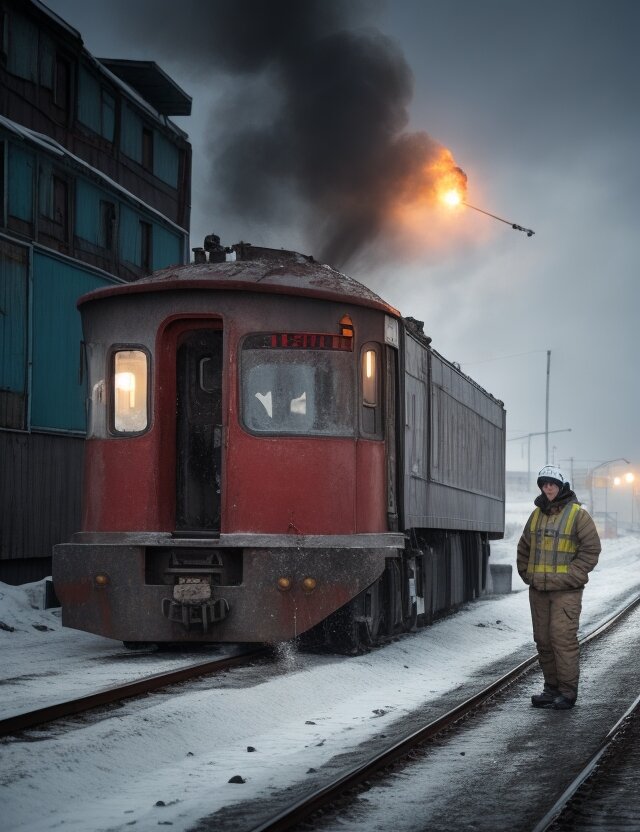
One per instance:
(297, 389)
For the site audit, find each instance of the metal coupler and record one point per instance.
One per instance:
(192, 616)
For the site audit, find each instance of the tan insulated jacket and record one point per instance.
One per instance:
(559, 545)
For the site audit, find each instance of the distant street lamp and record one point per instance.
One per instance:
(592, 472)
(629, 478)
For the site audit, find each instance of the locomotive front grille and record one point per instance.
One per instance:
(184, 566)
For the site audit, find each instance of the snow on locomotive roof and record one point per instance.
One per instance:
(259, 270)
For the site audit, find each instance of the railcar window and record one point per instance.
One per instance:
(130, 373)
(302, 391)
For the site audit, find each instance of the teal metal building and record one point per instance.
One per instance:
(95, 182)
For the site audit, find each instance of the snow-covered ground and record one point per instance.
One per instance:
(167, 759)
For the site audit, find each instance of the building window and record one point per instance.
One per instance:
(147, 149)
(108, 224)
(60, 207)
(107, 115)
(62, 83)
(146, 260)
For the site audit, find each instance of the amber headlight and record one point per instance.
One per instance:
(284, 583)
(101, 579)
(309, 584)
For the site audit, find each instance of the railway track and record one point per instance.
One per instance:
(588, 802)
(323, 801)
(107, 696)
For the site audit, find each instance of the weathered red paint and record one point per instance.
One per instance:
(371, 492)
(121, 481)
(298, 485)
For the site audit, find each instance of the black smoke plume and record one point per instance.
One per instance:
(313, 128)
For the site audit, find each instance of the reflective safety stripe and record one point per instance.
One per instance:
(560, 569)
(552, 546)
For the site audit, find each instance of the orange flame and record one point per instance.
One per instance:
(421, 210)
(449, 181)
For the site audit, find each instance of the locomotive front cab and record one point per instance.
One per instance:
(240, 461)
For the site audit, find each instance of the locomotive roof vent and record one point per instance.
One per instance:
(214, 252)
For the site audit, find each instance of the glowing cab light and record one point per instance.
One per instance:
(346, 326)
(101, 579)
(629, 477)
(617, 480)
(309, 584)
(370, 363)
(369, 380)
(284, 583)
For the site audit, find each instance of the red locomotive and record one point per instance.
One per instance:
(273, 450)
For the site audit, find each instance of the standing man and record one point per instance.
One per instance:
(558, 548)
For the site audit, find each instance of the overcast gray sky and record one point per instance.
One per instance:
(538, 103)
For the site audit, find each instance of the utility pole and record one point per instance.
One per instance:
(528, 436)
(546, 420)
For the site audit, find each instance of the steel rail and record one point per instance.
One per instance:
(147, 684)
(329, 793)
(559, 806)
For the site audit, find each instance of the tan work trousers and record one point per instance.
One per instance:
(555, 616)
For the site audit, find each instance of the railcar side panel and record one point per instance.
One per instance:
(454, 447)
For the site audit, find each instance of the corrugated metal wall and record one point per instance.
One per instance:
(466, 433)
(40, 487)
(167, 248)
(58, 398)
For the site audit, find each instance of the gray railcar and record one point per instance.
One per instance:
(454, 464)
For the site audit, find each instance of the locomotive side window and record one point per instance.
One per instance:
(130, 374)
(297, 390)
(371, 404)
(369, 378)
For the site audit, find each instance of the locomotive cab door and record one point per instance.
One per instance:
(199, 431)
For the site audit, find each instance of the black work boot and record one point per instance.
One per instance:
(546, 698)
(562, 703)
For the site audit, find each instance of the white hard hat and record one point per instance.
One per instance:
(551, 473)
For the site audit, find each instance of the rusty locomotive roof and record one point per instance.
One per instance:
(266, 271)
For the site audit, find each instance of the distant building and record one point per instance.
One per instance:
(96, 185)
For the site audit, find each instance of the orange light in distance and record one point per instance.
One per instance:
(309, 584)
(284, 583)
